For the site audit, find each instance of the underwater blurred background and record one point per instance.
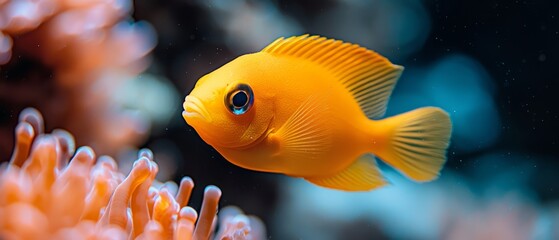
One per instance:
(114, 73)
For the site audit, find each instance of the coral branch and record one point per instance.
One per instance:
(48, 192)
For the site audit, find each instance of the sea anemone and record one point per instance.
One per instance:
(49, 190)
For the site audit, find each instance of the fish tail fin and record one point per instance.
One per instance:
(414, 143)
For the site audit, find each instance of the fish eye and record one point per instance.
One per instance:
(239, 99)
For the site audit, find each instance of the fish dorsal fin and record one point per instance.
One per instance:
(368, 76)
(362, 175)
(305, 135)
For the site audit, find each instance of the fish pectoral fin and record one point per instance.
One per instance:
(362, 175)
(306, 134)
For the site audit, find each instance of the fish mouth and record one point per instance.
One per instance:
(194, 108)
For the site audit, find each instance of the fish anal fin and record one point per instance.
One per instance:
(362, 175)
(368, 76)
(306, 134)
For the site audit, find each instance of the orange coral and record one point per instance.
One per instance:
(67, 58)
(49, 192)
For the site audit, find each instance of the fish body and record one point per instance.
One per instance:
(303, 106)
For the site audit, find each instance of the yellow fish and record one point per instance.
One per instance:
(304, 106)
